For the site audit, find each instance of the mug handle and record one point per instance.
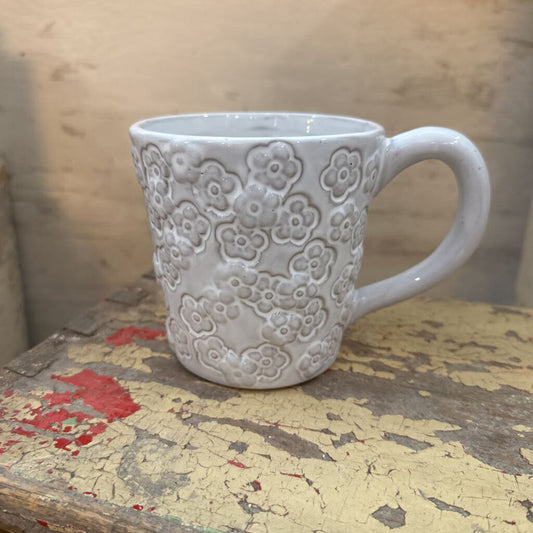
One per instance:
(456, 151)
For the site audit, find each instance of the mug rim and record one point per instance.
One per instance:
(361, 127)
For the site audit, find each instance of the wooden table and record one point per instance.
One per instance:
(424, 423)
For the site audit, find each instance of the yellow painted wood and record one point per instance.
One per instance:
(423, 424)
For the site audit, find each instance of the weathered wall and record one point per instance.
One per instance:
(13, 335)
(74, 75)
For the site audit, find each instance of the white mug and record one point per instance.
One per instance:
(258, 222)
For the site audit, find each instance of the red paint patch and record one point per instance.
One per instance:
(75, 452)
(291, 475)
(43, 442)
(42, 522)
(8, 393)
(256, 485)
(63, 444)
(98, 428)
(103, 393)
(237, 464)
(7, 445)
(66, 429)
(20, 431)
(84, 439)
(151, 509)
(70, 487)
(58, 398)
(50, 421)
(316, 490)
(90, 494)
(511, 522)
(138, 507)
(49, 471)
(127, 335)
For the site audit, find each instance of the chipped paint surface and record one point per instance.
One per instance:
(423, 423)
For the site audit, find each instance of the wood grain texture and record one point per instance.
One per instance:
(66, 103)
(423, 423)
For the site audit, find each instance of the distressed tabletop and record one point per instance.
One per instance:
(424, 423)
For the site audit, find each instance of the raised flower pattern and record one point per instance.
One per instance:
(371, 174)
(238, 242)
(358, 231)
(216, 188)
(257, 207)
(195, 315)
(282, 327)
(155, 166)
(211, 352)
(264, 295)
(295, 292)
(314, 316)
(220, 305)
(189, 224)
(274, 165)
(138, 166)
(342, 221)
(357, 261)
(237, 278)
(315, 261)
(270, 361)
(179, 339)
(298, 218)
(343, 284)
(320, 355)
(168, 264)
(185, 161)
(342, 175)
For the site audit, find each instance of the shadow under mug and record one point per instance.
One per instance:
(258, 222)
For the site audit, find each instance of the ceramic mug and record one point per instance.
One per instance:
(258, 222)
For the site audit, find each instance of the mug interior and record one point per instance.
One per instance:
(249, 125)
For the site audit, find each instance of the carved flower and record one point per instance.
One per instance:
(359, 228)
(347, 307)
(257, 207)
(282, 327)
(321, 355)
(342, 222)
(211, 352)
(216, 188)
(332, 343)
(168, 263)
(343, 284)
(343, 174)
(312, 361)
(357, 261)
(295, 292)
(238, 242)
(195, 315)
(155, 166)
(371, 174)
(185, 162)
(313, 318)
(156, 186)
(264, 296)
(270, 361)
(315, 261)
(189, 224)
(297, 220)
(237, 278)
(179, 339)
(220, 305)
(137, 164)
(274, 165)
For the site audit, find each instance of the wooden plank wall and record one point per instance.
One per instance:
(74, 75)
